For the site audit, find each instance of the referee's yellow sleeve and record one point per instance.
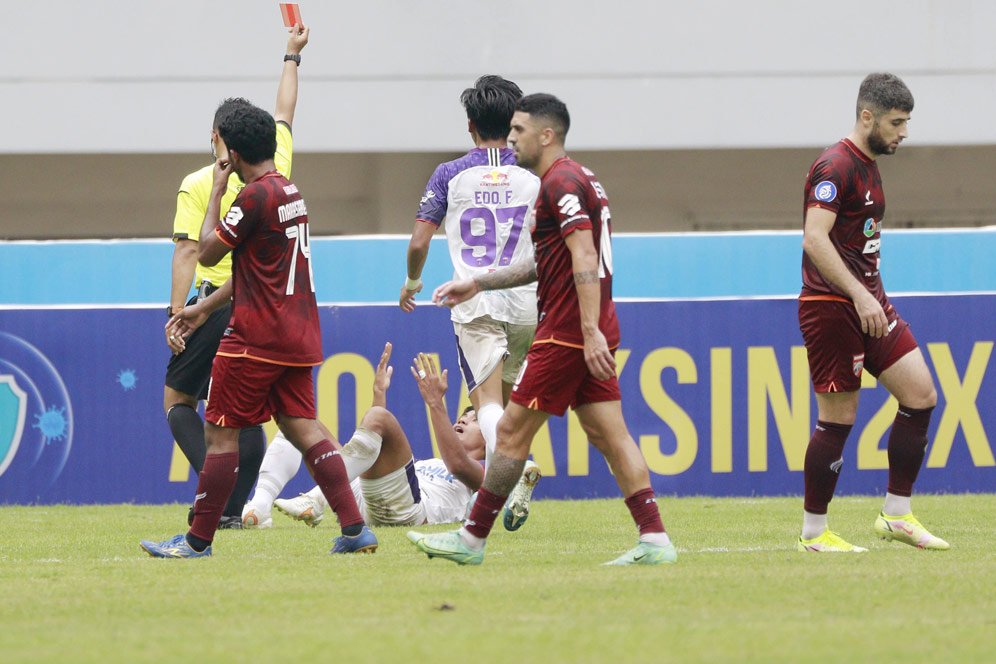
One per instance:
(283, 158)
(190, 207)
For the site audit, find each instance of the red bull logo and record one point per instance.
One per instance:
(495, 178)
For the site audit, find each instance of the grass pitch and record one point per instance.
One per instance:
(76, 587)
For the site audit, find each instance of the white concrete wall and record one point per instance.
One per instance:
(385, 75)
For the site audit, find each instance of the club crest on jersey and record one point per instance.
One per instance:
(858, 364)
(870, 227)
(826, 191)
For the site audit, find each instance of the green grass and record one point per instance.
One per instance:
(76, 587)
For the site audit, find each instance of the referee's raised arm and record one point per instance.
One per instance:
(287, 90)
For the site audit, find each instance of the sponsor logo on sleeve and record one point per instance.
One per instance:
(826, 191)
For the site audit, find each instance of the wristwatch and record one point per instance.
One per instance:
(169, 311)
(295, 57)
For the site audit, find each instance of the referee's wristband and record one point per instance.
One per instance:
(413, 284)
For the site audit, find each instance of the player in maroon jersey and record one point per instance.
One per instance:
(571, 362)
(849, 325)
(263, 367)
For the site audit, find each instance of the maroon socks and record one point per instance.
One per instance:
(907, 446)
(824, 457)
(214, 486)
(330, 475)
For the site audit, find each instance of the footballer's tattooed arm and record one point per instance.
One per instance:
(515, 275)
(586, 277)
(453, 293)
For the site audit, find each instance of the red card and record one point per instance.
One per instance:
(290, 13)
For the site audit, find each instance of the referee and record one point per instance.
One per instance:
(189, 372)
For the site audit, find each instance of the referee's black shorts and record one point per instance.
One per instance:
(190, 371)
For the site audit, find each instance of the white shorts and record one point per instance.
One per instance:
(484, 342)
(392, 500)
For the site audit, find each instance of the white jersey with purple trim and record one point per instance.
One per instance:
(483, 200)
(419, 492)
(446, 499)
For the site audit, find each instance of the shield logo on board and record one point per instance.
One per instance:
(13, 409)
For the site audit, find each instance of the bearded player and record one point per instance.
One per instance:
(850, 326)
(572, 360)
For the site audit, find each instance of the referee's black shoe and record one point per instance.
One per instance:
(226, 523)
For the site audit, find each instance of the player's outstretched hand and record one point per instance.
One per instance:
(407, 299)
(298, 39)
(874, 322)
(431, 383)
(453, 293)
(382, 379)
(598, 357)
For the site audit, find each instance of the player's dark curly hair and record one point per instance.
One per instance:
(250, 131)
(490, 105)
(882, 92)
(550, 108)
(226, 106)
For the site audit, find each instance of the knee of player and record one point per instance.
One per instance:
(378, 419)
(927, 398)
(173, 398)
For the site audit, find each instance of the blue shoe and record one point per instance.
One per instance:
(365, 542)
(645, 553)
(173, 548)
(447, 545)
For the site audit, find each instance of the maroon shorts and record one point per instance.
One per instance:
(244, 392)
(554, 377)
(838, 350)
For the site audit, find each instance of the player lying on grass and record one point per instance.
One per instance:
(390, 486)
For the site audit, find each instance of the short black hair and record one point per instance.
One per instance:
(226, 106)
(490, 105)
(467, 410)
(882, 92)
(549, 108)
(250, 131)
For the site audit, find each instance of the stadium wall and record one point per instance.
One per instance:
(713, 372)
(384, 75)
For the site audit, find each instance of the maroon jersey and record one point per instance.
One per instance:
(274, 312)
(845, 181)
(570, 199)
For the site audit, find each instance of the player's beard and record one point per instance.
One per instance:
(524, 160)
(877, 144)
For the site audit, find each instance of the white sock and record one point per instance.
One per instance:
(660, 539)
(813, 525)
(896, 505)
(280, 464)
(361, 452)
(488, 417)
(474, 542)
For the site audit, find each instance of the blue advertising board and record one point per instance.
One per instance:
(715, 392)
